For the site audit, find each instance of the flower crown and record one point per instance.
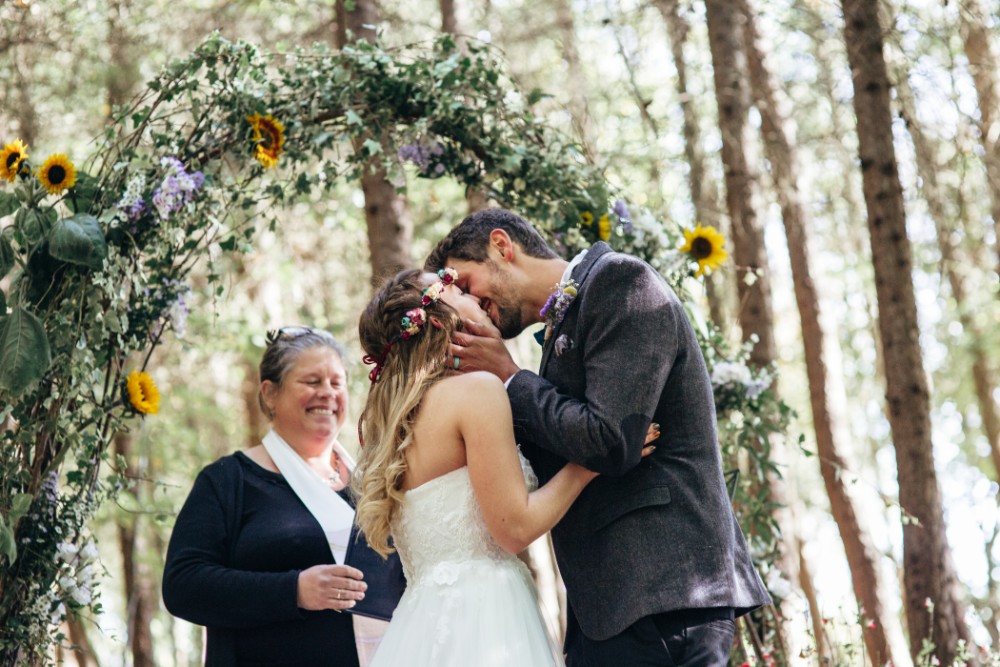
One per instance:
(414, 320)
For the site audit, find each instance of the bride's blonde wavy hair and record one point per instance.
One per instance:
(408, 370)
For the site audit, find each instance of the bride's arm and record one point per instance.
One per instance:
(515, 517)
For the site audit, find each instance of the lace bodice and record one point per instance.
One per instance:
(440, 526)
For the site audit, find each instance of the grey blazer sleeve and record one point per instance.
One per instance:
(624, 326)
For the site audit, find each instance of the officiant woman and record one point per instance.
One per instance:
(250, 554)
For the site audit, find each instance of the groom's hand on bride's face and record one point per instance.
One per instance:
(480, 348)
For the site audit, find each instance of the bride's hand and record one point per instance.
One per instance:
(334, 587)
(651, 434)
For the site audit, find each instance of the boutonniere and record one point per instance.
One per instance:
(555, 307)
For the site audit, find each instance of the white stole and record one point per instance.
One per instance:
(334, 515)
(332, 512)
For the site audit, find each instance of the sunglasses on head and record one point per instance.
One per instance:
(288, 333)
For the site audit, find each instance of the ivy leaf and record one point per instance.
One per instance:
(79, 240)
(536, 95)
(353, 118)
(6, 256)
(24, 351)
(8, 204)
(373, 147)
(7, 546)
(19, 506)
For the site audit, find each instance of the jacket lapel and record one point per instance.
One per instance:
(579, 274)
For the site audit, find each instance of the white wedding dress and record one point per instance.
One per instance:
(468, 603)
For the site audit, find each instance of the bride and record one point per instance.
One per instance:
(441, 475)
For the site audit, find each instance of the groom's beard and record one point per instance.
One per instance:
(505, 302)
(508, 315)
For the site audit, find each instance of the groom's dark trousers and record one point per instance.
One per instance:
(683, 638)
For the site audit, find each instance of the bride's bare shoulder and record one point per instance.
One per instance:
(476, 394)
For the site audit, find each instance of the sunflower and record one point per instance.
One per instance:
(142, 393)
(704, 245)
(11, 158)
(269, 136)
(604, 227)
(57, 174)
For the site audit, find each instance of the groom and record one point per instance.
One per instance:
(655, 565)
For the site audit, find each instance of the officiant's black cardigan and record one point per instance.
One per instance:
(235, 554)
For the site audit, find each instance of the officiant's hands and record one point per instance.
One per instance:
(336, 587)
(480, 348)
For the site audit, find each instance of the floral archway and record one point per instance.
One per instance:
(97, 256)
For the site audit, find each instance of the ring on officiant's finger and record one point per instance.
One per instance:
(456, 363)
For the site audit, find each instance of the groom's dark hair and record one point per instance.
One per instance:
(471, 238)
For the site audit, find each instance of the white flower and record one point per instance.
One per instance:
(58, 614)
(736, 417)
(81, 596)
(85, 576)
(728, 372)
(67, 552)
(89, 551)
(67, 583)
(777, 584)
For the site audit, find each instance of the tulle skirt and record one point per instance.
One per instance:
(481, 613)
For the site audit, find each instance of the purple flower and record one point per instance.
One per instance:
(420, 154)
(178, 187)
(621, 210)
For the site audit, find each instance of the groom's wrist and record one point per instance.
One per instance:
(506, 383)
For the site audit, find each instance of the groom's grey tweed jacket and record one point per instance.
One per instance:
(649, 535)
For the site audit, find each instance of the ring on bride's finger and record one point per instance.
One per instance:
(340, 595)
(456, 363)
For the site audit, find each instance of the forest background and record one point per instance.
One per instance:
(639, 84)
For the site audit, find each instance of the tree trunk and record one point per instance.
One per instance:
(928, 571)
(449, 18)
(390, 229)
(936, 198)
(123, 73)
(80, 646)
(725, 36)
(823, 654)
(783, 158)
(139, 595)
(453, 23)
(575, 80)
(704, 194)
(982, 51)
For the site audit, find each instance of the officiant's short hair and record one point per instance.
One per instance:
(282, 349)
(470, 240)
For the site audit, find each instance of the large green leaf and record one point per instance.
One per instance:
(6, 256)
(8, 204)
(78, 240)
(24, 351)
